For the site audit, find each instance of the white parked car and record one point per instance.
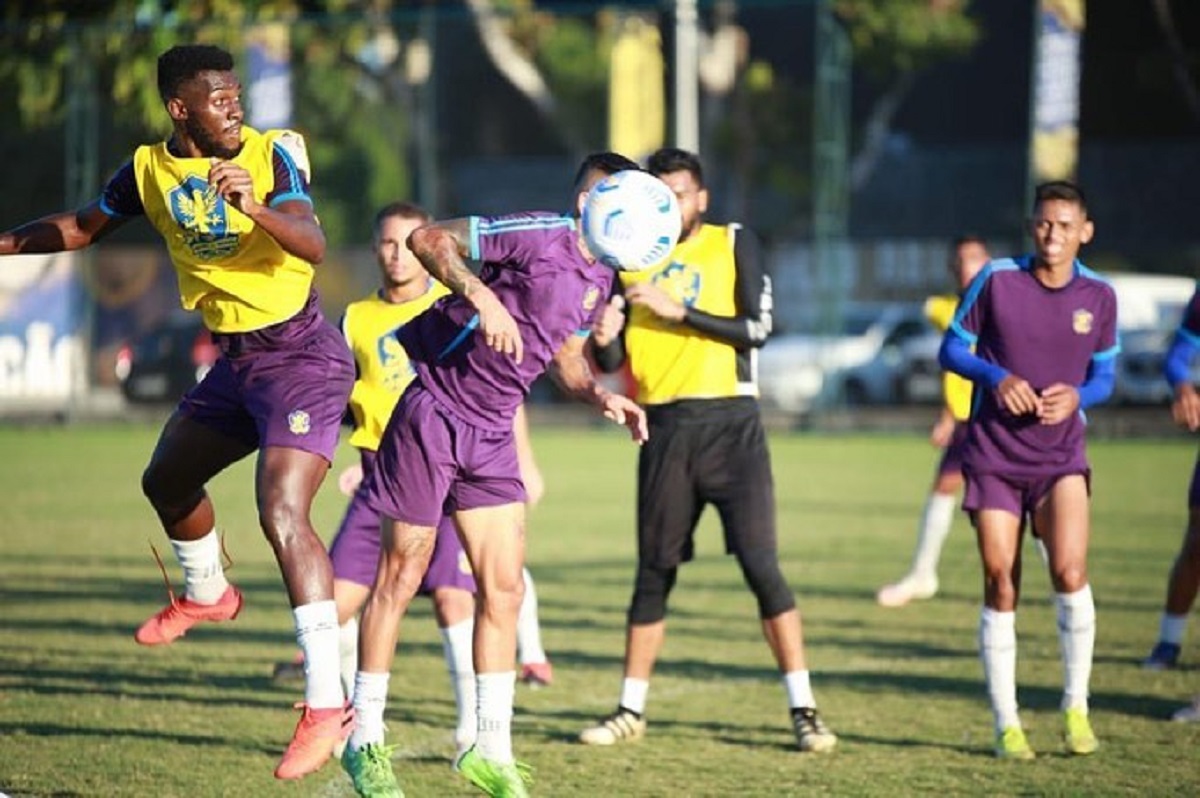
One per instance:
(865, 362)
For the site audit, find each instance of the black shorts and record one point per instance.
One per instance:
(700, 452)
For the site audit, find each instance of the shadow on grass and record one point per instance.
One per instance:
(156, 736)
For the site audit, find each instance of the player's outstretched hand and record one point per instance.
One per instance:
(1059, 401)
(234, 185)
(1186, 407)
(656, 300)
(628, 413)
(497, 325)
(1018, 396)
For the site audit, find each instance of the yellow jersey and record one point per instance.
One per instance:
(674, 361)
(956, 390)
(233, 271)
(370, 326)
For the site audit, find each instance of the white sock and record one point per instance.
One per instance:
(998, 650)
(936, 520)
(1076, 638)
(529, 631)
(494, 739)
(457, 644)
(799, 691)
(348, 655)
(317, 634)
(633, 694)
(203, 574)
(370, 699)
(1171, 628)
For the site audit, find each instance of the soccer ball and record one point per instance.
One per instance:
(631, 221)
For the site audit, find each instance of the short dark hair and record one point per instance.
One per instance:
(1060, 190)
(404, 210)
(184, 61)
(967, 238)
(607, 162)
(672, 159)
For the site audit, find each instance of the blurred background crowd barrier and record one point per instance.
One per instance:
(857, 137)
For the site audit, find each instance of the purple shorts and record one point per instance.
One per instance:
(355, 549)
(431, 463)
(952, 455)
(1017, 495)
(284, 385)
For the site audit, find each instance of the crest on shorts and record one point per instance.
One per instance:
(299, 422)
(591, 297)
(1081, 321)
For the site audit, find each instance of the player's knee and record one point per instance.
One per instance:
(172, 503)
(651, 588)
(282, 518)
(761, 570)
(1069, 577)
(500, 598)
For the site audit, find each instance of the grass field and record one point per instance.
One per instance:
(84, 711)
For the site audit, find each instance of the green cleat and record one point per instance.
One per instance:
(498, 781)
(370, 768)
(1011, 744)
(1077, 732)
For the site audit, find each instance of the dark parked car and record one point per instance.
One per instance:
(166, 361)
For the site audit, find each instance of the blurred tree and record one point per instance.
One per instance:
(351, 81)
(893, 41)
(1181, 67)
(559, 62)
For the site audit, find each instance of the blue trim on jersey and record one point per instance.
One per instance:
(527, 223)
(109, 212)
(971, 295)
(462, 336)
(584, 333)
(293, 172)
(289, 197)
(473, 222)
(1110, 353)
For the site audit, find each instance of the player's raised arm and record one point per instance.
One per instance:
(442, 248)
(60, 232)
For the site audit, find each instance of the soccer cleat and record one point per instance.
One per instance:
(1190, 713)
(812, 735)
(291, 671)
(509, 780)
(1011, 744)
(1163, 656)
(622, 726)
(537, 674)
(317, 734)
(174, 620)
(906, 590)
(1077, 732)
(370, 769)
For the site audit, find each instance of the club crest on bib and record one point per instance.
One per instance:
(680, 282)
(299, 422)
(1081, 321)
(203, 216)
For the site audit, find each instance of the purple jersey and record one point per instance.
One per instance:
(533, 264)
(1044, 336)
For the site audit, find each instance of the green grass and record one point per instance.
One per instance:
(84, 711)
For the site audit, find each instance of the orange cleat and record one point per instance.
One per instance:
(317, 734)
(174, 620)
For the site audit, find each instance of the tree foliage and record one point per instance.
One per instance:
(350, 90)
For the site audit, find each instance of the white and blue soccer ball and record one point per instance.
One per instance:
(631, 221)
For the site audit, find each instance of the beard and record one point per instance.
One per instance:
(207, 143)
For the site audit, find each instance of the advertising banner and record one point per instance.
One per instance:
(41, 325)
(1054, 145)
